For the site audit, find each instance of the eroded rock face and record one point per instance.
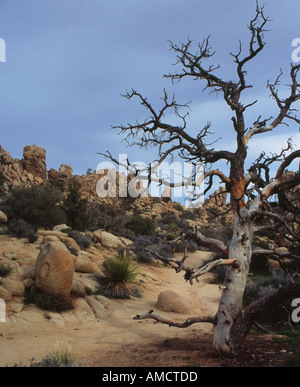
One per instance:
(54, 270)
(34, 162)
(32, 169)
(65, 171)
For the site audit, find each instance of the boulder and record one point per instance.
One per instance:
(65, 171)
(5, 294)
(107, 240)
(45, 233)
(54, 270)
(16, 288)
(170, 301)
(71, 244)
(84, 265)
(3, 218)
(60, 227)
(34, 162)
(88, 281)
(50, 238)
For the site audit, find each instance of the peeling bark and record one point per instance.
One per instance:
(231, 302)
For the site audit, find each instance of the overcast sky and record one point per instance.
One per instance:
(69, 61)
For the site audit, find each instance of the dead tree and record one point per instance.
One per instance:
(250, 190)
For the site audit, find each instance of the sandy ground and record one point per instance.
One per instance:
(117, 339)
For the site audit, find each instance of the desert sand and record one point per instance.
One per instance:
(118, 340)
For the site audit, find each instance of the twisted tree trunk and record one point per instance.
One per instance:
(231, 302)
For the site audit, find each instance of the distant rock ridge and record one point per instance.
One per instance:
(31, 170)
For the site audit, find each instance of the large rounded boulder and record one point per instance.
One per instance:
(170, 301)
(54, 270)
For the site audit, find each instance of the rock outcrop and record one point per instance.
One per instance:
(34, 163)
(31, 170)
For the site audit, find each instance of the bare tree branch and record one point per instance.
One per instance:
(163, 320)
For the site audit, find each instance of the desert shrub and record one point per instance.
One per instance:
(22, 229)
(170, 236)
(143, 242)
(140, 225)
(48, 362)
(83, 241)
(50, 302)
(38, 206)
(169, 220)
(109, 217)
(120, 278)
(5, 269)
(4, 229)
(60, 356)
(188, 215)
(76, 208)
(260, 286)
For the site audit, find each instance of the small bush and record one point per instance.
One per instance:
(22, 229)
(261, 286)
(120, 278)
(141, 225)
(50, 302)
(4, 270)
(38, 206)
(76, 208)
(142, 243)
(83, 241)
(4, 229)
(61, 356)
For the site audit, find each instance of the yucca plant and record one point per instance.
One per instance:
(120, 281)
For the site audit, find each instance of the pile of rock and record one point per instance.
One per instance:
(55, 270)
(32, 169)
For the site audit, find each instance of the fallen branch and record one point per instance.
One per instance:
(163, 320)
(210, 265)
